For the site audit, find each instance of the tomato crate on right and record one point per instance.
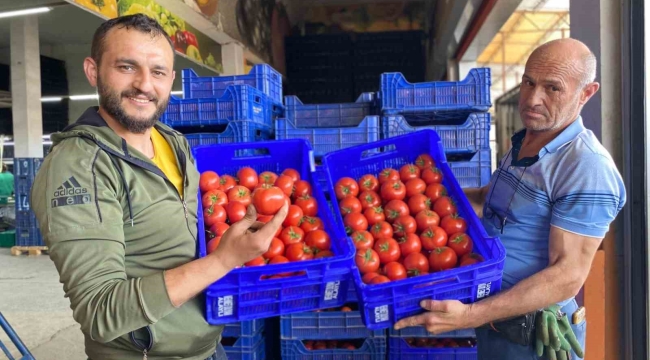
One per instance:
(384, 304)
(364, 349)
(400, 349)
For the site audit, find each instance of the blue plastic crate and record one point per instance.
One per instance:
(383, 304)
(240, 350)
(243, 341)
(472, 135)
(27, 167)
(263, 77)
(399, 349)
(29, 236)
(471, 170)
(235, 132)
(243, 294)
(304, 116)
(320, 178)
(372, 349)
(329, 325)
(244, 328)
(22, 189)
(239, 102)
(420, 331)
(26, 219)
(15, 339)
(325, 140)
(398, 96)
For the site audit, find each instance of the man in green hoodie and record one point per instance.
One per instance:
(117, 206)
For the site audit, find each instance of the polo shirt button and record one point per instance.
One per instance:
(511, 167)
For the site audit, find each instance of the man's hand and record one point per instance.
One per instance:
(442, 317)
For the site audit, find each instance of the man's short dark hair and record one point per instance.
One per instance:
(139, 22)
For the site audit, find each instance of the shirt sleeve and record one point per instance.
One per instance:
(587, 195)
(76, 200)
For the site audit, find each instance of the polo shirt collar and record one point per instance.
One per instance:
(566, 136)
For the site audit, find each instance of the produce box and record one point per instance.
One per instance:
(350, 349)
(432, 348)
(330, 324)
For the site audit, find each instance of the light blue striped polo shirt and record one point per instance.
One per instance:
(572, 184)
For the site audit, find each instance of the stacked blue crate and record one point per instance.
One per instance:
(457, 110)
(27, 232)
(245, 340)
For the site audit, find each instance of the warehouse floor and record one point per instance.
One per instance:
(31, 299)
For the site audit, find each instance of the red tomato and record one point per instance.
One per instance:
(213, 244)
(470, 259)
(348, 346)
(374, 215)
(379, 280)
(433, 237)
(409, 244)
(292, 173)
(453, 224)
(415, 186)
(267, 177)
(349, 205)
(292, 235)
(275, 249)
(311, 223)
(395, 271)
(318, 239)
(214, 214)
(298, 252)
(285, 183)
(300, 188)
(393, 190)
(444, 206)
(264, 218)
(355, 222)
(294, 216)
(247, 178)
(461, 243)
(404, 225)
(416, 264)
(418, 203)
(426, 218)
(308, 205)
(346, 187)
(218, 229)
(424, 161)
(209, 180)
(278, 260)
(362, 240)
(227, 182)
(408, 172)
(387, 249)
(388, 175)
(368, 182)
(435, 192)
(442, 258)
(258, 261)
(323, 254)
(241, 194)
(214, 197)
(432, 176)
(268, 200)
(346, 309)
(382, 230)
(395, 209)
(367, 261)
(369, 199)
(371, 275)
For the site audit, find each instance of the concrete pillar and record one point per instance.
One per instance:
(232, 57)
(26, 87)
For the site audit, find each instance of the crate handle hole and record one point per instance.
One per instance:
(436, 282)
(284, 275)
(247, 153)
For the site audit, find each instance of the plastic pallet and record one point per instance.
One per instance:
(398, 96)
(420, 331)
(17, 342)
(331, 325)
(235, 132)
(471, 170)
(239, 102)
(242, 294)
(239, 351)
(325, 140)
(263, 77)
(244, 328)
(399, 349)
(383, 304)
(372, 349)
(472, 135)
(329, 115)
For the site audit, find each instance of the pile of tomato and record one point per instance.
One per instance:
(441, 342)
(225, 199)
(331, 344)
(403, 223)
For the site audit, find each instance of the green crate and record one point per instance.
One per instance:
(7, 238)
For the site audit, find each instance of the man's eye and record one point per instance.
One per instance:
(126, 67)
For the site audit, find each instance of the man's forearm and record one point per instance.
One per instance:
(186, 281)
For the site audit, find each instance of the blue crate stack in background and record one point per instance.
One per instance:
(27, 231)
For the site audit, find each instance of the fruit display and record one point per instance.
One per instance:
(442, 343)
(301, 237)
(403, 223)
(107, 8)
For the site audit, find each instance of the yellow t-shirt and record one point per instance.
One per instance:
(165, 159)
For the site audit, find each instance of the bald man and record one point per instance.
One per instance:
(551, 202)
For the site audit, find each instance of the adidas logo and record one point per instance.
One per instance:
(70, 187)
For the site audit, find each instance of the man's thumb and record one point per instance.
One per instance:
(248, 219)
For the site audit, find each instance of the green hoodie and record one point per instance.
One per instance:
(113, 224)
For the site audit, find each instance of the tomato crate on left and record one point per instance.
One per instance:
(244, 328)
(245, 347)
(256, 292)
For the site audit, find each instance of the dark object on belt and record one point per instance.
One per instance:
(519, 330)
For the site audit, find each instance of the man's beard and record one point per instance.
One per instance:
(111, 102)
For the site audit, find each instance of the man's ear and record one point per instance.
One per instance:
(588, 91)
(91, 69)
